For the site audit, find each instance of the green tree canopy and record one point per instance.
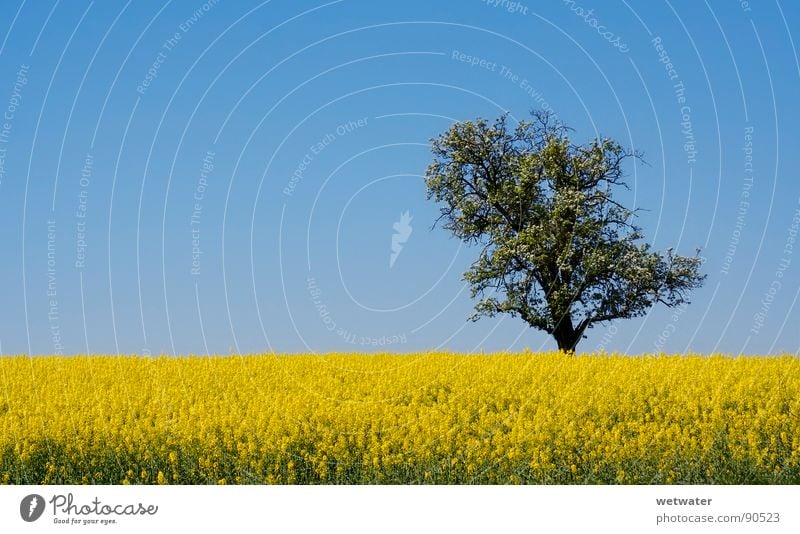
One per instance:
(557, 250)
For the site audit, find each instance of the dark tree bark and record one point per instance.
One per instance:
(565, 335)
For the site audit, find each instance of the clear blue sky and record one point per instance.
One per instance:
(183, 177)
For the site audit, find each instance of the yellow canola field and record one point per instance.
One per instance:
(413, 418)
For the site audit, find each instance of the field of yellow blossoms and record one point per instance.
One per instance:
(411, 419)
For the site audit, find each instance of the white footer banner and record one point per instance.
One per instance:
(371, 509)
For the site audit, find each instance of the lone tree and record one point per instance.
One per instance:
(558, 251)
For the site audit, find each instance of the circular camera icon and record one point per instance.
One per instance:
(31, 507)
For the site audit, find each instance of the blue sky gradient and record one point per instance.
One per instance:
(190, 177)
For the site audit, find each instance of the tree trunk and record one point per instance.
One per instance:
(565, 334)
